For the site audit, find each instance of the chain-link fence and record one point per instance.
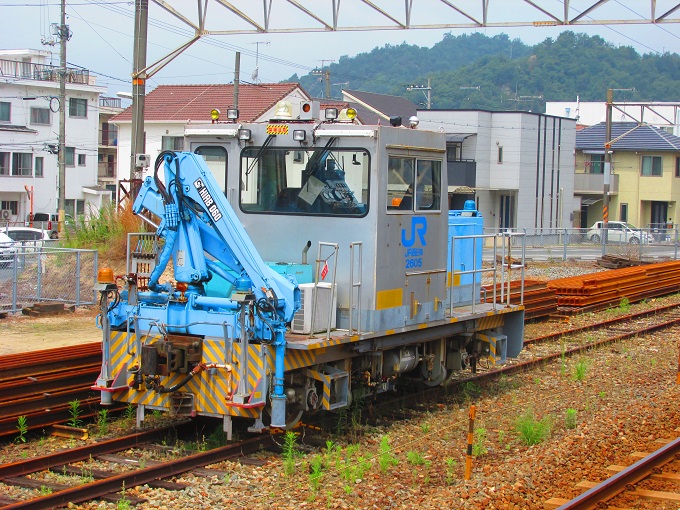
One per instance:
(39, 273)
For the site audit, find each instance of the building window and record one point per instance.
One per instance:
(39, 161)
(40, 116)
(70, 156)
(623, 212)
(22, 163)
(454, 151)
(500, 154)
(12, 205)
(81, 159)
(4, 111)
(652, 165)
(597, 163)
(77, 107)
(74, 207)
(172, 143)
(4, 163)
(677, 166)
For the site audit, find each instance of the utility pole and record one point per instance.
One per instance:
(64, 35)
(607, 168)
(138, 88)
(427, 90)
(326, 77)
(237, 77)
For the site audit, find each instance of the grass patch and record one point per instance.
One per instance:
(532, 430)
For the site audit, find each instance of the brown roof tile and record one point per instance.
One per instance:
(194, 102)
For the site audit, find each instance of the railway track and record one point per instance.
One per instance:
(40, 384)
(633, 480)
(91, 483)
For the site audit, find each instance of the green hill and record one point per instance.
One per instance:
(497, 73)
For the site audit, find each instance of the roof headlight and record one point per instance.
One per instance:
(232, 113)
(299, 135)
(331, 113)
(244, 134)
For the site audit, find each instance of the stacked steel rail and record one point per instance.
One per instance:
(598, 291)
(40, 384)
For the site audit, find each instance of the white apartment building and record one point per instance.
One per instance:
(29, 128)
(518, 166)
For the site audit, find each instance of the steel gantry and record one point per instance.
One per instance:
(223, 17)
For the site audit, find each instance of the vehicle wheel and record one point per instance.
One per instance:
(595, 238)
(54, 235)
(634, 240)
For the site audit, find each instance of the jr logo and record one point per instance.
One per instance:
(419, 228)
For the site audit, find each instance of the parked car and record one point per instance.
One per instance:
(619, 232)
(50, 222)
(8, 250)
(28, 237)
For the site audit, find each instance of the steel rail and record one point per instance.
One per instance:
(69, 455)
(115, 483)
(606, 490)
(605, 323)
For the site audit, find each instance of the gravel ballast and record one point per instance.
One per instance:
(599, 408)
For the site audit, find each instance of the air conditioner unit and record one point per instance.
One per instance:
(142, 160)
(5, 214)
(302, 320)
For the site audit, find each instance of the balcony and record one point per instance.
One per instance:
(109, 102)
(108, 138)
(106, 170)
(42, 72)
(594, 183)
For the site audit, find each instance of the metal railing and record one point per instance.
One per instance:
(37, 272)
(42, 72)
(588, 243)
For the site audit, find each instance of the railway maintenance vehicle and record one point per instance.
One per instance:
(248, 327)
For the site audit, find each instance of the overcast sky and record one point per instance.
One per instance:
(103, 36)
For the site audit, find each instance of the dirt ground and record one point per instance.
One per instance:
(21, 333)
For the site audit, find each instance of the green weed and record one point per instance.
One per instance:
(570, 419)
(22, 427)
(624, 305)
(580, 370)
(531, 430)
(44, 490)
(290, 452)
(450, 469)
(478, 446)
(385, 458)
(415, 458)
(103, 421)
(75, 411)
(316, 472)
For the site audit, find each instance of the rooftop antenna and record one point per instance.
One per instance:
(256, 72)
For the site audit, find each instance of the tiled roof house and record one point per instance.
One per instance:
(645, 168)
(169, 108)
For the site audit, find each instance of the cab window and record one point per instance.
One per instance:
(216, 159)
(319, 181)
(413, 184)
